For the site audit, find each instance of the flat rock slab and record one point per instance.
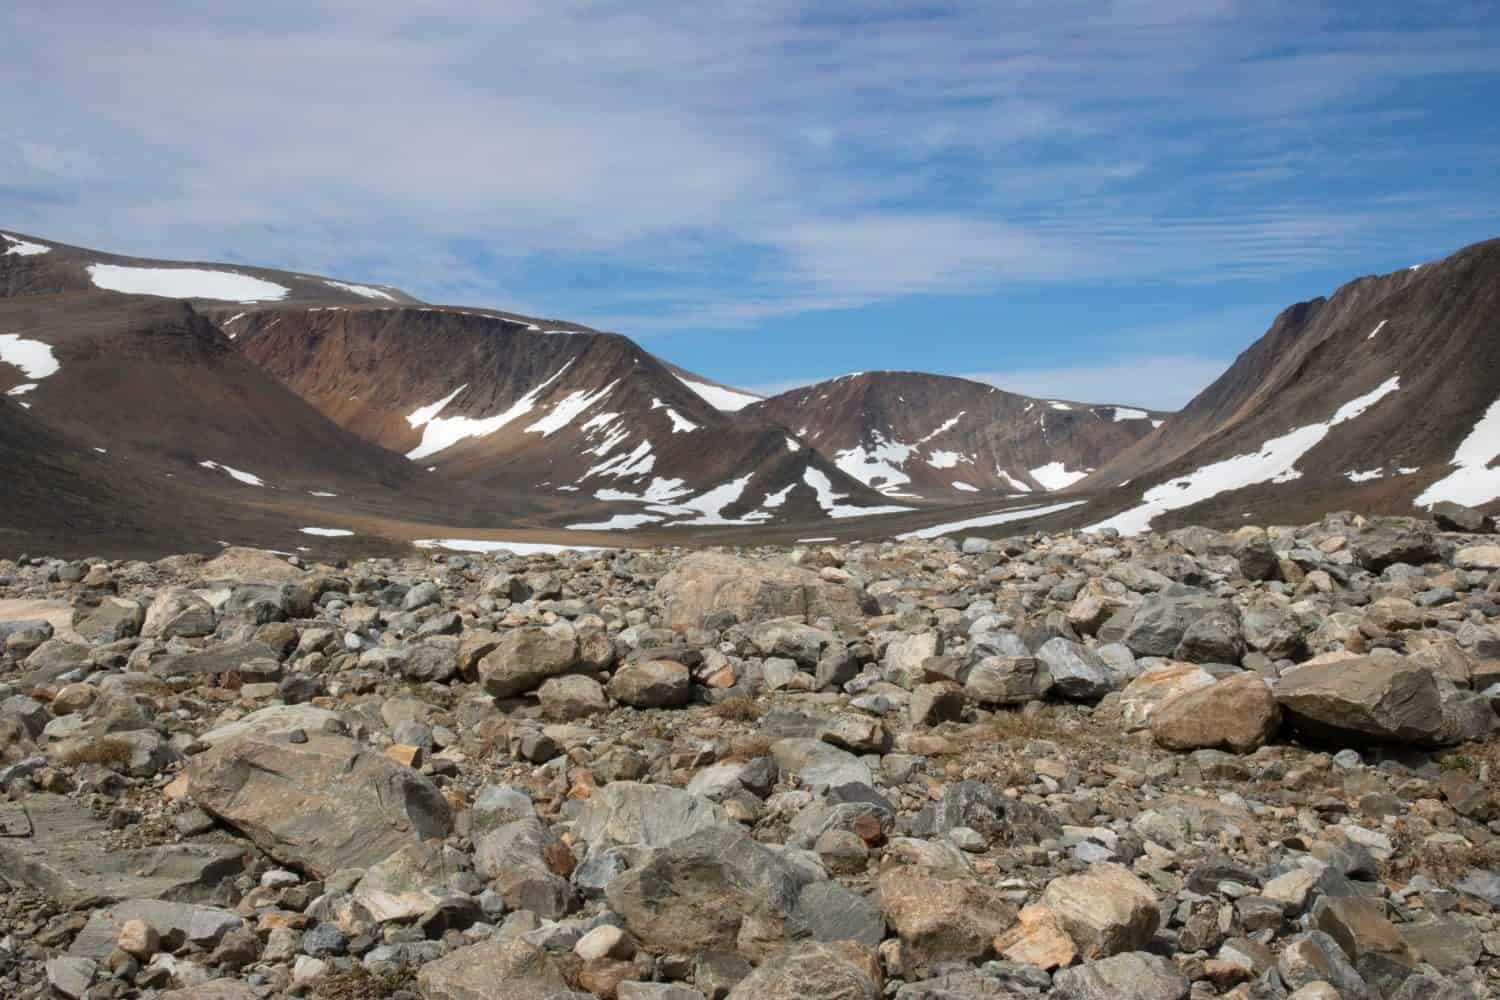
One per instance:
(319, 805)
(68, 856)
(59, 614)
(175, 922)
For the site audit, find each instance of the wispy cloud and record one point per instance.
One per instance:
(739, 161)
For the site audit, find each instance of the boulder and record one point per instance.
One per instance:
(1148, 692)
(695, 893)
(178, 612)
(1106, 911)
(320, 805)
(631, 813)
(814, 971)
(1077, 672)
(818, 764)
(651, 684)
(942, 916)
(1131, 976)
(1007, 680)
(1238, 713)
(499, 967)
(1381, 698)
(1387, 543)
(525, 657)
(754, 590)
(1450, 516)
(1478, 557)
(571, 697)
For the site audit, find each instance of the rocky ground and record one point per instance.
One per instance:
(1250, 765)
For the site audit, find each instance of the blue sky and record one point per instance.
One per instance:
(1100, 201)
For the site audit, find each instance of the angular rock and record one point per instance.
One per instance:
(651, 684)
(1382, 698)
(1007, 680)
(525, 657)
(814, 972)
(1148, 692)
(1130, 976)
(631, 813)
(1077, 672)
(1106, 911)
(1238, 713)
(572, 697)
(504, 967)
(754, 590)
(941, 917)
(320, 805)
(819, 765)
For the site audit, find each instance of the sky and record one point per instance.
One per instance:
(1095, 201)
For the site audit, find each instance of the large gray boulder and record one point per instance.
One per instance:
(507, 967)
(1077, 672)
(754, 590)
(320, 805)
(630, 813)
(814, 971)
(1387, 699)
(1007, 680)
(1134, 975)
(525, 657)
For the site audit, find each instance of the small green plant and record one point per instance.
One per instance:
(1456, 762)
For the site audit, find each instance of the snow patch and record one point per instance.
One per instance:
(719, 397)
(990, 520)
(830, 500)
(1123, 413)
(965, 487)
(22, 248)
(792, 446)
(1364, 477)
(485, 545)
(22, 389)
(1274, 463)
(327, 532)
(439, 433)
(185, 283)
(320, 493)
(631, 464)
(1378, 327)
(1058, 406)
(1473, 482)
(620, 522)
(1015, 483)
(946, 459)
(774, 500)
(34, 358)
(565, 409)
(1056, 476)
(945, 426)
(249, 479)
(880, 462)
(680, 424)
(364, 291)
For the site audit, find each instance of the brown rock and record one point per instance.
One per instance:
(1038, 939)
(1238, 713)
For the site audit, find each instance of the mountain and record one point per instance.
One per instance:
(913, 435)
(1382, 398)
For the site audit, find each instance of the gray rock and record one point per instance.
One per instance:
(525, 657)
(631, 813)
(1077, 672)
(571, 697)
(813, 972)
(1384, 698)
(70, 976)
(754, 590)
(1007, 680)
(819, 765)
(1133, 975)
(651, 684)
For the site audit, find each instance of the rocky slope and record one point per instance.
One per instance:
(914, 434)
(1377, 398)
(1198, 764)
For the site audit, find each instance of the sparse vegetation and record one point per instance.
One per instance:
(739, 709)
(361, 984)
(1456, 762)
(108, 751)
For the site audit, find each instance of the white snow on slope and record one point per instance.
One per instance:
(422, 414)
(660, 491)
(792, 446)
(565, 409)
(680, 424)
(439, 433)
(774, 500)
(1123, 413)
(880, 462)
(1015, 483)
(485, 545)
(1274, 463)
(1378, 327)
(1157, 423)
(249, 479)
(829, 500)
(327, 532)
(320, 493)
(185, 283)
(628, 465)
(946, 459)
(22, 389)
(1473, 482)
(947, 425)
(1058, 406)
(364, 291)
(1355, 476)
(965, 487)
(1056, 476)
(718, 397)
(620, 522)
(710, 506)
(34, 358)
(23, 248)
(989, 520)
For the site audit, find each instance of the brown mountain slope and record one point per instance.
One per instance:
(578, 415)
(1361, 401)
(915, 434)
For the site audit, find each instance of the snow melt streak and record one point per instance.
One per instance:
(990, 520)
(1473, 482)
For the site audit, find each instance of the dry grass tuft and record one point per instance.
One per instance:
(107, 751)
(739, 709)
